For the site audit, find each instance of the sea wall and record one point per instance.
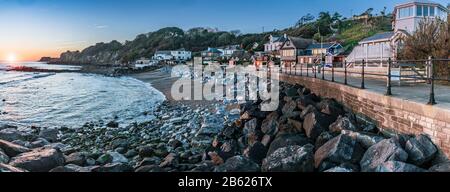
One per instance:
(390, 113)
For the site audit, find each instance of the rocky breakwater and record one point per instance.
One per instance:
(312, 134)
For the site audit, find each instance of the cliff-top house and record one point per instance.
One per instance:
(292, 48)
(407, 17)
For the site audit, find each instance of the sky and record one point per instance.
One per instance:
(30, 29)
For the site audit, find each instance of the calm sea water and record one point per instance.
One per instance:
(72, 99)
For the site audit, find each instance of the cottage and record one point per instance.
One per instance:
(227, 51)
(181, 55)
(163, 55)
(143, 61)
(292, 48)
(240, 57)
(407, 17)
(314, 53)
(274, 45)
(211, 54)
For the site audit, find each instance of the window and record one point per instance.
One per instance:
(405, 12)
(425, 11)
(419, 10)
(432, 11)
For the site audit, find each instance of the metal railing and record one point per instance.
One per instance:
(418, 71)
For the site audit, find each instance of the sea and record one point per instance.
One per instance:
(71, 98)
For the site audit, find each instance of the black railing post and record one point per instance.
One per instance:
(389, 77)
(301, 69)
(332, 72)
(363, 86)
(315, 70)
(345, 73)
(323, 70)
(432, 99)
(307, 70)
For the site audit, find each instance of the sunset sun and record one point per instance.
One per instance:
(11, 57)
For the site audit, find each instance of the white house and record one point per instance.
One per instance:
(227, 51)
(143, 60)
(177, 55)
(181, 55)
(275, 43)
(407, 17)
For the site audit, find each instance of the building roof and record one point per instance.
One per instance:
(212, 50)
(420, 2)
(300, 43)
(379, 37)
(320, 45)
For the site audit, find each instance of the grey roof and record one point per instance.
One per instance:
(320, 45)
(379, 36)
(300, 43)
(420, 2)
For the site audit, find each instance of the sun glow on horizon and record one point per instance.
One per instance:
(11, 57)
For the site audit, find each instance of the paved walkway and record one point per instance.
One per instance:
(418, 92)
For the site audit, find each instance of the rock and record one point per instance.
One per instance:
(290, 159)
(230, 132)
(257, 152)
(291, 92)
(289, 108)
(3, 157)
(216, 159)
(331, 107)
(342, 123)
(304, 101)
(112, 124)
(50, 135)
(131, 153)
(397, 166)
(117, 157)
(39, 160)
(322, 139)
(287, 140)
(443, 167)
(316, 123)
(77, 158)
(270, 124)
(238, 164)
(174, 143)
(39, 142)
(365, 139)
(8, 168)
(119, 143)
(146, 151)
(104, 159)
(420, 150)
(170, 160)
(340, 149)
(297, 125)
(12, 149)
(149, 161)
(120, 150)
(150, 169)
(114, 168)
(204, 166)
(384, 151)
(307, 110)
(339, 170)
(266, 140)
(11, 134)
(211, 125)
(71, 168)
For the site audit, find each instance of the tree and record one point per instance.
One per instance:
(304, 20)
(430, 39)
(336, 17)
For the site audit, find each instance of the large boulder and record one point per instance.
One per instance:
(292, 158)
(285, 140)
(270, 124)
(316, 123)
(420, 150)
(384, 151)
(331, 107)
(49, 134)
(289, 108)
(77, 158)
(443, 167)
(3, 157)
(304, 101)
(12, 149)
(39, 160)
(340, 149)
(342, 123)
(397, 166)
(238, 164)
(9, 168)
(11, 135)
(257, 152)
(367, 140)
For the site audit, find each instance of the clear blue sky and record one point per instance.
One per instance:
(58, 25)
